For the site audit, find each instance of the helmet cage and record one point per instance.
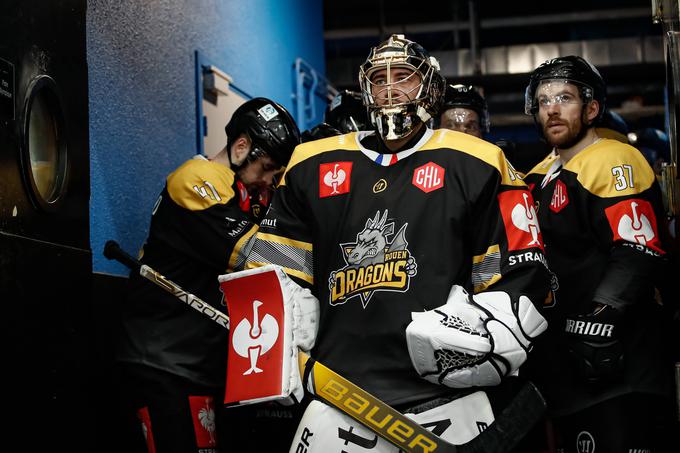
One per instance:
(418, 104)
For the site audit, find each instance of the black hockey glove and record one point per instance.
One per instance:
(593, 342)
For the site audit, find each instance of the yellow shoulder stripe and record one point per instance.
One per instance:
(609, 168)
(199, 184)
(310, 149)
(478, 148)
(542, 167)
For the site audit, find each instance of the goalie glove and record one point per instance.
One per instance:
(271, 317)
(473, 340)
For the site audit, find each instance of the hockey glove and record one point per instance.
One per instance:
(594, 346)
(473, 341)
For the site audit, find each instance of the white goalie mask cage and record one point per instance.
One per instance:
(393, 111)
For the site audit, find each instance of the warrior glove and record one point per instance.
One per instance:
(473, 340)
(594, 346)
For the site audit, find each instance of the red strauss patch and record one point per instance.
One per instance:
(428, 177)
(634, 221)
(520, 219)
(203, 415)
(334, 178)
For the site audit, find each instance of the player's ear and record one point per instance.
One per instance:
(240, 149)
(592, 110)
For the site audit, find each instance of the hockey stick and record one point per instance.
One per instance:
(515, 420)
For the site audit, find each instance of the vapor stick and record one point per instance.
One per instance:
(512, 424)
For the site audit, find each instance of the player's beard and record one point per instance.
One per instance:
(574, 134)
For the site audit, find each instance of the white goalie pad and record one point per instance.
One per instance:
(475, 341)
(324, 429)
(271, 316)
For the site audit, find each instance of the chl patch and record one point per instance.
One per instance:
(145, 419)
(203, 416)
(428, 177)
(560, 199)
(520, 219)
(334, 178)
(268, 112)
(634, 221)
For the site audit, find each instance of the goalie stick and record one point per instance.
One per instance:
(524, 410)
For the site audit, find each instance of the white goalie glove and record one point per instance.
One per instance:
(473, 341)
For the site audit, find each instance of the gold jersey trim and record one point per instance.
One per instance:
(486, 268)
(310, 149)
(199, 184)
(236, 259)
(609, 168)
(542, 167)
(285, 241)
(478, 148)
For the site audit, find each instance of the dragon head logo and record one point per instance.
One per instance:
(373, 262)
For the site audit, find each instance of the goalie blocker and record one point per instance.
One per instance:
(271, 317)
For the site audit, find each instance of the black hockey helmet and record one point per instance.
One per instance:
(399, 113)
(467, 97)
(270, 127)
(572, 69)
(321, 130)
(347, 113)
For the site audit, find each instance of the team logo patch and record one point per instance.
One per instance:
(559, 197)
(373, 263)
(520, 219)
(428, 177)
(268, 112)
(634, 221)
(334, 178)
(203, 416)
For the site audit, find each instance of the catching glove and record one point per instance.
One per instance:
(473, 340)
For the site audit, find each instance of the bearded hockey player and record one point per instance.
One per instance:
(424, 251)
(172, 358)
(601, 364)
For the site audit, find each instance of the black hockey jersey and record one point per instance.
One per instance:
(378, 236)
(197, 229)
(599, 216)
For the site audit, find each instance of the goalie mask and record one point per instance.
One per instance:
(570, 69)
(398, 100)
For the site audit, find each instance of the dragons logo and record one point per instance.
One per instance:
(373, 263)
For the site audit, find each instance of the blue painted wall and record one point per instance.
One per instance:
(142, 98)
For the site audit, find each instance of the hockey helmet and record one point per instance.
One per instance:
(570, 69)
(270, 127)
(321, 130)
(346, 112)
(467, 97)
(393, 112)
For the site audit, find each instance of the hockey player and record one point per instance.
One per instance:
(347, 113)
(602, 364)
(423, 249)
(464, 110)
(172, 358)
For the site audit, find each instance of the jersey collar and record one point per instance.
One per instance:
(388, 159)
